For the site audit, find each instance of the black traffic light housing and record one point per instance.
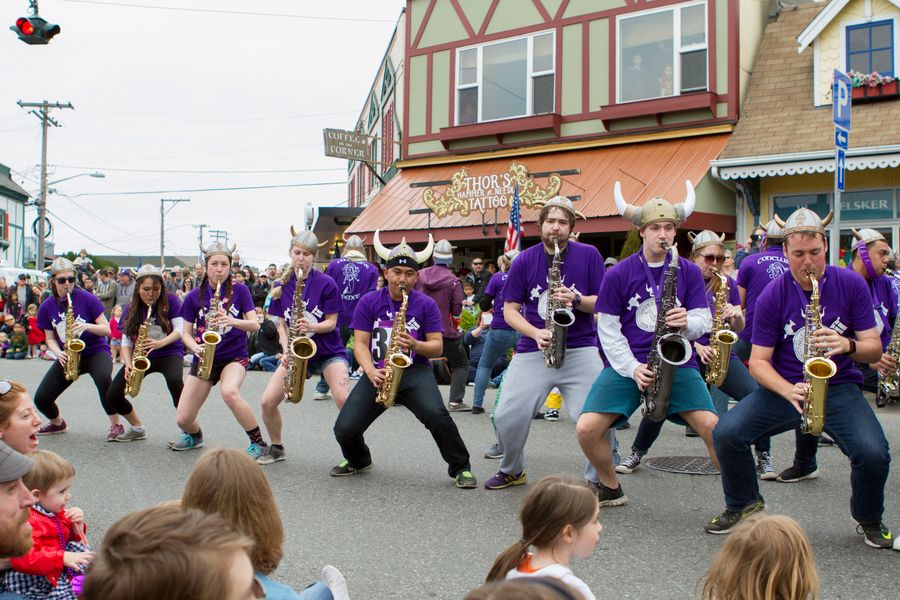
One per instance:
(35, 30)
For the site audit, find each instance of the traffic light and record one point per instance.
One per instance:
(35, 30)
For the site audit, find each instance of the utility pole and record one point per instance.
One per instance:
(199, 229)
(219, 234)
(162, 226)
(44, 116)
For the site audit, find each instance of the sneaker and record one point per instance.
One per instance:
(631, 462)
(132, 435)
(459, 407)
(271, 455)
(114, 432)
(723, 523)
(336, 582)
(502, 480)
(322, 396)
(355, 376)
(343, 469)
(186, 442)
(625, 425)
(51, 429)
(609, 496)
(494, 451)
(764, 467)
(825, 440)
(877, 534)
(465, 480)
(477, 410)
(551, 415)
(256, 450)
(792, 475)
(690, 432)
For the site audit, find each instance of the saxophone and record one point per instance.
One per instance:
(890, 383)
(668, 351)
(211, 338)
(73, 346)
(721, 337)
(301, 347)
(396, 360)
(817, 369)
(559, 318)
(139, 361)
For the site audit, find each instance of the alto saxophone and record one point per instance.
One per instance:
(139, 361)
(301, 347)
(73, 345)
(559, 318)
(211, 338)
(396, 359)
(890, 382)
(721, 337)
(668, 351)
(817, 369)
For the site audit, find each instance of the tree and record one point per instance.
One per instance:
(632, 244)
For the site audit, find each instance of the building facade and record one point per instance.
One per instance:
(12, 221)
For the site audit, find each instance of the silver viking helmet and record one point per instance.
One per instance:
(443, 252)
(866, 236)
(804, 220)
(149, 270)
(774, 231)
(705, 238)
(218, 248)
(354, 248)
(60, 265)
(656, 209)
(560, 202)
(402, 251)
(306, 240)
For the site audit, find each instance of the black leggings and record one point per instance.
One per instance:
(171, 368)
(98, 366)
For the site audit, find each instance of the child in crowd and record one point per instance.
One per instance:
(60, 553)
(18, 343)
(36, 335)
(766, 557)
(7, 326)
(469, 297)
(4, 344)
(47, 353)
(559, 517)
(13, 308)
(115, 334)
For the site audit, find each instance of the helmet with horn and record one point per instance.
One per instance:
(402, 255)
(306, 240)
(866, 236)
(148, 270)
(218, 248)
(61, 264)
(705, 238)
(803, 220)
(657, 209)
(354, 248)
(559, 202)
(774, 232)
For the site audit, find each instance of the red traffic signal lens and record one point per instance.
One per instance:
(25, 26)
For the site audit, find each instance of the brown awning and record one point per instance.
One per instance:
(647, 169)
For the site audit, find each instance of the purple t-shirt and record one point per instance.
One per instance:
(582, 270)
(734, 297)
(627, 293)
(320, 298)
(375, 314)
(156, 332)
(884, 306)
(756, 272)
(234, 341)
(780, 318)
(86, 307)
(354, 279)
(494, 289)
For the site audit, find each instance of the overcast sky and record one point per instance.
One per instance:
(157, 91)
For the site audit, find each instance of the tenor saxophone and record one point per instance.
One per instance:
(721, 337)
(139, 361)
(211, 338)
(74, 345)
(817, 369)
(559, 318)
(396, 360)
(301, 347)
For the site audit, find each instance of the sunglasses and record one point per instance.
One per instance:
(711, 258)
(477, 264)
(5, 386)
(65, 280)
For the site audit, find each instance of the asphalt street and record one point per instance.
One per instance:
(404, 531)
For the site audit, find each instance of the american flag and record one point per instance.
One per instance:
(515, 232)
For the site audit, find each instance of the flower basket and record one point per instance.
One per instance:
(867, 93)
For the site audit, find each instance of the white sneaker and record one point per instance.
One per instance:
(335, 581)
(322, 396)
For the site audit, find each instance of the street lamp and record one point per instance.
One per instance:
(42, 213)
(96, 174)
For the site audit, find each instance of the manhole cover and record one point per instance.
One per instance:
(689, 465)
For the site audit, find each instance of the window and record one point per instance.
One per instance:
(862, 205)
(662, 53)
(4, 225)
(388, 82)
(870, 48)
(373, 113)
(510, 78)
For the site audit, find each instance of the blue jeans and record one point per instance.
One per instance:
(497, 343)
(269, 363)
(849, 420)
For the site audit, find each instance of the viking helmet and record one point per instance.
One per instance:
(560, 202)
(705, 238)
(774, 231)
(443, 252)
(656, 209)
(804, 220)
(866, 236)
(149, 270)
(60, 265)
(354, 248)
(402, 254)
(306, 240)
(512, 254)
(218, 248)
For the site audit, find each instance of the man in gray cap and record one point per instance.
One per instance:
(15, 500)
(439, 282)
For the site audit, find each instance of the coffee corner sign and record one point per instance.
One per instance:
(347, 144)
(467, 194)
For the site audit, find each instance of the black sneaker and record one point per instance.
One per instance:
(630, 463)
(825, 440)
(792, 475)
(723, 523)
(343, 469)
(477, 410)
(877, 534)
(609, 496)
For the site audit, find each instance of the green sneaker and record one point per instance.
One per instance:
(343, 469)
(723, 523)
(465, 480)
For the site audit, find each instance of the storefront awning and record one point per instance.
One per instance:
(648, 169)
(803, 163)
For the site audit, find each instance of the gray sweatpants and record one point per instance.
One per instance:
(525, 387)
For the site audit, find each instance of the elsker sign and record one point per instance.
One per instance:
(468, 193)
(346, 144)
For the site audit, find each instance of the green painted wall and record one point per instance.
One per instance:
(415, 12)
(632, 123)
(443, 26)
(475, 11)
(583, 7)
(685, 116)
(712, 197)
(598, 65)
(419, 148)
(525, 136)
(721, 109)
(571, 70)
(440, 91)
(582, 128)
(479, 142)
(722, 47)
(418, 82)
(552, 6)
(511, 14)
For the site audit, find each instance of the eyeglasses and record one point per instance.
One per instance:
(477, 264)
(65, 280)
(5, 386)
(711, 258)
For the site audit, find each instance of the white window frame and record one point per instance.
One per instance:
(532, 74)
(677, 49)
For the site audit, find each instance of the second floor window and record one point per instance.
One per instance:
(662, 53)
(870, 48)
(510, 78)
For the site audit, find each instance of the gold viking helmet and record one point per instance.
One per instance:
(656, 209)
(402, 254)
(705, 238)
(803, 220)
(60, 265)
(354, 248)
(306, 240)
(218, 248)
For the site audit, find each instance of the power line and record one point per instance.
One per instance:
(223, 189)
(197, 172)
(99, 243)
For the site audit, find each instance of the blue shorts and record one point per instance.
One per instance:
(612, 393)
(319, 367)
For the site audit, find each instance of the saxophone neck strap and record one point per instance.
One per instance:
(655, 284)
